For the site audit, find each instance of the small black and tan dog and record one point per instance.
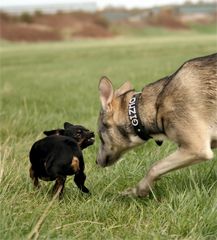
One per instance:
(59, 155)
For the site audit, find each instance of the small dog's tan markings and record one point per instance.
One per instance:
(75, 164)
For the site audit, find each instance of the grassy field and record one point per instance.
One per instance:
(44, 85)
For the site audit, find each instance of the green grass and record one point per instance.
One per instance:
(150, 31)
(42, 86)
(205, 28)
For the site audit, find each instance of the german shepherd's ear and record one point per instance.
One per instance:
(106, 93)
(126, 87)
(54, 132)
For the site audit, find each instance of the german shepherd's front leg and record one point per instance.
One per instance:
(179, 159)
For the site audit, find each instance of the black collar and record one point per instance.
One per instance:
(135, 120)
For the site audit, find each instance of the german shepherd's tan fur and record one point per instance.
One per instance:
(181, 107)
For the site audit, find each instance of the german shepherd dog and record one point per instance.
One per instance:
(181, 107)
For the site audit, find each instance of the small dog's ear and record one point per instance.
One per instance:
(123, 89)
(54, 132)
(67, 125)
(106, 93)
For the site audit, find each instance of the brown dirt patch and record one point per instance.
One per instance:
(45, 27)
(22, 32)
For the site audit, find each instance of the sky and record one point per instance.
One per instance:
(100, 3)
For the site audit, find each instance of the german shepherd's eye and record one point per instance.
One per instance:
(105, 125)
(101, 139)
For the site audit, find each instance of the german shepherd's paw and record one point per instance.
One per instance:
(130, 192)
(135, 192)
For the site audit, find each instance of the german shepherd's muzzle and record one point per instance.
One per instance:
(181, 107)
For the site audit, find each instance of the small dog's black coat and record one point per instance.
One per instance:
(59, 155)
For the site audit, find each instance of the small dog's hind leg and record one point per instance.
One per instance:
(34, 177)
(60, 182)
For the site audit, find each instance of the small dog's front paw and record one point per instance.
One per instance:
(85, 190)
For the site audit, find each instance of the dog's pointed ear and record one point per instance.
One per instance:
(106, 93)
(67, 125)
(126, 87)
(54, 132)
